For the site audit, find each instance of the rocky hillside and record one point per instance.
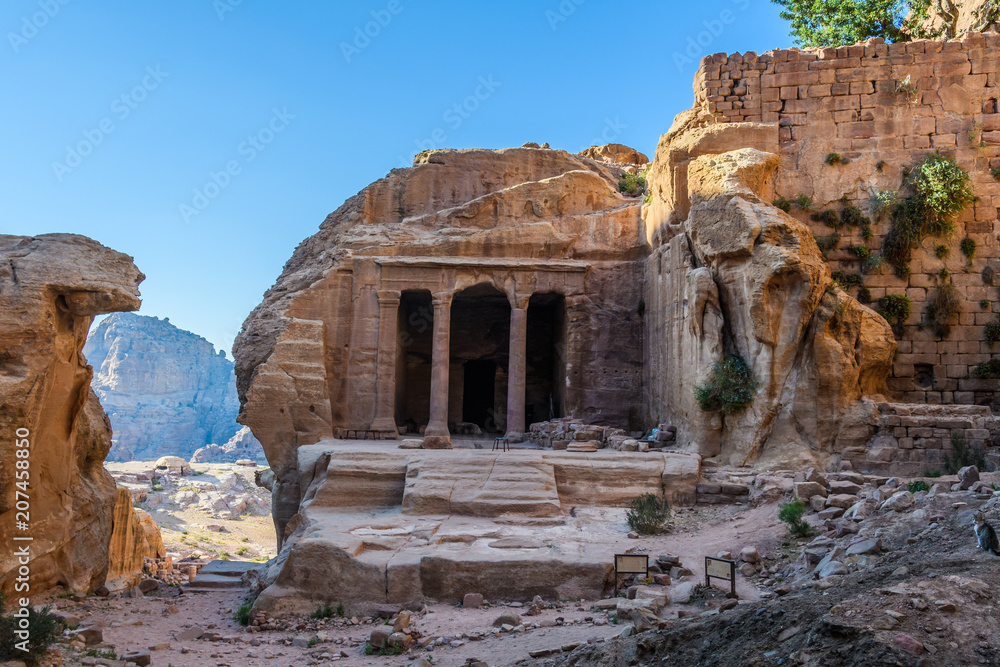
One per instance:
(166, 390)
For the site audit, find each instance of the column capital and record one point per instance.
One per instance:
(442, 298)
(388, 297)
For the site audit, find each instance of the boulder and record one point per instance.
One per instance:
(749, 555)
(51, 288)
(899, 502)
(844, 487)
(865, 547)
(507, 618)
(472, 601)
(140, 657)
(807, 490)
(379, 636)
(968, 476)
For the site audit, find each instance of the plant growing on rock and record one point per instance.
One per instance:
(942, 189)
(883, 202)
(828, 242)
(917, 485)
(804, 202)
(895, 308)
(995, 174)
(731, 387)
(828, 217)
(44, 629)
(862, 252)
(968, 247)
(647, 514)
(242, 613)
(987, 370)
(864, 295)
(791, 513)
(783, 203)
(962, 455)
(833, 159)
(632, 184)
(943, 308)
(941, 251)
(992, 330)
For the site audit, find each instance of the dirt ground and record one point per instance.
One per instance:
(459, 634)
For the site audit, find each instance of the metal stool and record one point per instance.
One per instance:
(501, 443)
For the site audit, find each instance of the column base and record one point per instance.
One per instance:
(514, 436)
(437, 442)
(386, 425)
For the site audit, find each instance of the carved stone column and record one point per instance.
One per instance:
(516, 369)
(385, 383)
(437, 427)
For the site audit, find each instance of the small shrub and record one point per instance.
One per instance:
(833, 158)
(632, 184)
(324, 611)
(866, 233)
(943, 273)
(862, 252)
(384, 651)
(968, 247)
(828, 217)
(941, 251)
(943, 308)
(987, 370)
(906, 88)
(804, 202)
(791, 513)
(828, 242)
(992, 330)
(984, 304)
(963, 455)
(918, 485)
(44, 630)
(871, 264)
(864, 295)
(995, 174)
(880, 165)
(933, 474)
(883, 202)
(647, 514)
(242, 551)
(895, 308)
(783, 203)
(105, 653)
(731, 387)
(340, 610)
(223, 555)
(852, 216)
(847, 280)
(242, 613)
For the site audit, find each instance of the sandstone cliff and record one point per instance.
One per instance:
(241, 446)
(51, 287)
(166, 390)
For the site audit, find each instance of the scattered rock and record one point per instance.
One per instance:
(472, 601)
(967, 476)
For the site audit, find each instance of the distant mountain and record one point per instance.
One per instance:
(166, 390)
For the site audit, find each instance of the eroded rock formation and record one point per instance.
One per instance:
(740, 277)
(241, 446)
(166, 390)
(51, 287)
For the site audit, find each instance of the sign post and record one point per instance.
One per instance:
(630, 564)
(720, 568)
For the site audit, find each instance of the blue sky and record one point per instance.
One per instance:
(207, 138)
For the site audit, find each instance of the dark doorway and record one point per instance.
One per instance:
(478, 394)
(545, 378)
(480, 341)
(413, 359)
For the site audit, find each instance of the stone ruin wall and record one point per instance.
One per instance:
(845, 100)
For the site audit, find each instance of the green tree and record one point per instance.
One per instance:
(842, 22)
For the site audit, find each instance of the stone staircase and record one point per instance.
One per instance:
(220, 576)
(480, 483)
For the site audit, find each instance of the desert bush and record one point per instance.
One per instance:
(647, 514)
(895, 308)
(783, 203)
(968, 247)
(242, 613)
(987, 370)
(852, 216)
(917, 485)
(943, 308)
(731, 387)
(963, 454)
(791, 513)
(44, 630)
(942, 189)
(992, 330)
(632, 184)
(323, 611)
(862, 252)
(828, 217)
(804, 202)
(995, 174)
(864, 295)
(828, 242)
(833, 158)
